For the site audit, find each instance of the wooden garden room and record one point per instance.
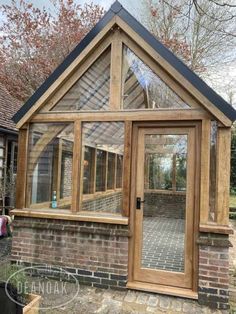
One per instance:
(124, 163)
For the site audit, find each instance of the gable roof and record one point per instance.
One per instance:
(117, 10)
(8, 107)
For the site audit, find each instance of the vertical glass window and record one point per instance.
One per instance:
(212, 188)
(111, 171)
(164, 210)
(102, 166)
(49, 174)
(119, 171)
(89, 157)
(101, 171)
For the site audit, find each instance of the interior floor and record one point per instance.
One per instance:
(163, 243)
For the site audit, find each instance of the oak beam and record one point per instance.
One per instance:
(127, 115)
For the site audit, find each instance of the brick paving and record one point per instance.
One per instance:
(91, 300)
(163, 243)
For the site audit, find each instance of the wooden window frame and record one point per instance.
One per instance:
(93, 179)
(125, 181)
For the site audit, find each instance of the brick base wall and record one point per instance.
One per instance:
(159, 204)
(110, 203)
(97, 253)
(214, 271)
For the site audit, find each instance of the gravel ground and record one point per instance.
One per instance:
(5, 248)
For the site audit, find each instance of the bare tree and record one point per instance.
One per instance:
(202, 33)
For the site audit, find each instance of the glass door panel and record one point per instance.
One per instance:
(164, 207)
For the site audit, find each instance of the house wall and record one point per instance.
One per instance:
(96, 253)
(2, 146)
(8, 153)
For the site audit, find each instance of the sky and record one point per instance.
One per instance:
(130, 5)
(228, 73)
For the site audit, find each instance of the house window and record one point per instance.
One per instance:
(102, 166)
(50, 165)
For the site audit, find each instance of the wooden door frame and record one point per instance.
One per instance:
(189, 293)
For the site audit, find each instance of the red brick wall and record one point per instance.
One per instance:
(97, 253)
(214, 271)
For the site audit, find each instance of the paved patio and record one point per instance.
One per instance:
(163, 243)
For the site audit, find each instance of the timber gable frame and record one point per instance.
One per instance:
(117, 16)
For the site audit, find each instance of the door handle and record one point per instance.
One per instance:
(138, 202)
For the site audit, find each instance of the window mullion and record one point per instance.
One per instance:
(77, 169)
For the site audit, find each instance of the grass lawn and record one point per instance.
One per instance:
(232, 201)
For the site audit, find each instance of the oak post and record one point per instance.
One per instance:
(21, 168)
(127, 169)
(76, 167)
(205, 171)
(223, 175)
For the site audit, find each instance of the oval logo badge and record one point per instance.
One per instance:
(38, 280)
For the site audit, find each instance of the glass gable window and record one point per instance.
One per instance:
(102, 166)
(91, 91)
(143, 89)
(50, 159)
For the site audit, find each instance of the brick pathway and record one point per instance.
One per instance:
(91, 301)
(163, 244)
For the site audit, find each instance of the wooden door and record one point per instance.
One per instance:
(164, 213)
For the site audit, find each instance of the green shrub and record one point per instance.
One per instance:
(18, 280)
